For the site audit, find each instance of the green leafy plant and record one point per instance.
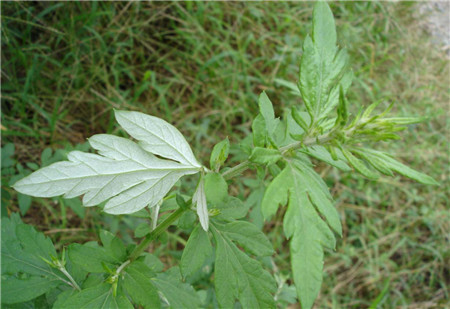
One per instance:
(129, 176)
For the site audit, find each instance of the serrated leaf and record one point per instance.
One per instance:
(157, 136)
(265, 155)
(124, 175)
(25, 274)
(100, 297)
(179, 295)
(308, 201)
(219, 154)
(23, 249)
(237, 276)
(322, 68)
(199, 199)
(137, 281)
(198, 248)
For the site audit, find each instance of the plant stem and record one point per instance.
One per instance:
(66, 273)
(228, 174)
(241, 167)
(155, 233)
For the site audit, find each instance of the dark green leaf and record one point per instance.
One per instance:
(91, 258)
(99, 297)
(138, 283)
(17, 290)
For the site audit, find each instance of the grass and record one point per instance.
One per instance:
(201, 66)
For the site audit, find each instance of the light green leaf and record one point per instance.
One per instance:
(219, 154)
(322, 154)
(265, 155)
(359, 165)
(216, 188)
(197, 250)
(137, 281)
(401, 168)
(237, 276)
(322, 68)
(124, 175)
(308, 202)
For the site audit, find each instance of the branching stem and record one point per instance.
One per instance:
(228, 174)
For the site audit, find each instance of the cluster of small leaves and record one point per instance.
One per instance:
(127, 176)
(84, 276)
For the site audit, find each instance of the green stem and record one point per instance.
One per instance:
(66, 273)
(228, 174)
(241, 167)
(155, 233)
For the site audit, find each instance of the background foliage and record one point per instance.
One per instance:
(201, 66)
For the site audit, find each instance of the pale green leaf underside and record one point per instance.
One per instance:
(124, 174)
(199, 199)
(157, 136)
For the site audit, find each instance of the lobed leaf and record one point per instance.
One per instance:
(124, 174)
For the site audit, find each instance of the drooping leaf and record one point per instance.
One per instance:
(308, 201)
(197, 250)
(124, 174)
(237, 276)
(137, 281)
(199, 199)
